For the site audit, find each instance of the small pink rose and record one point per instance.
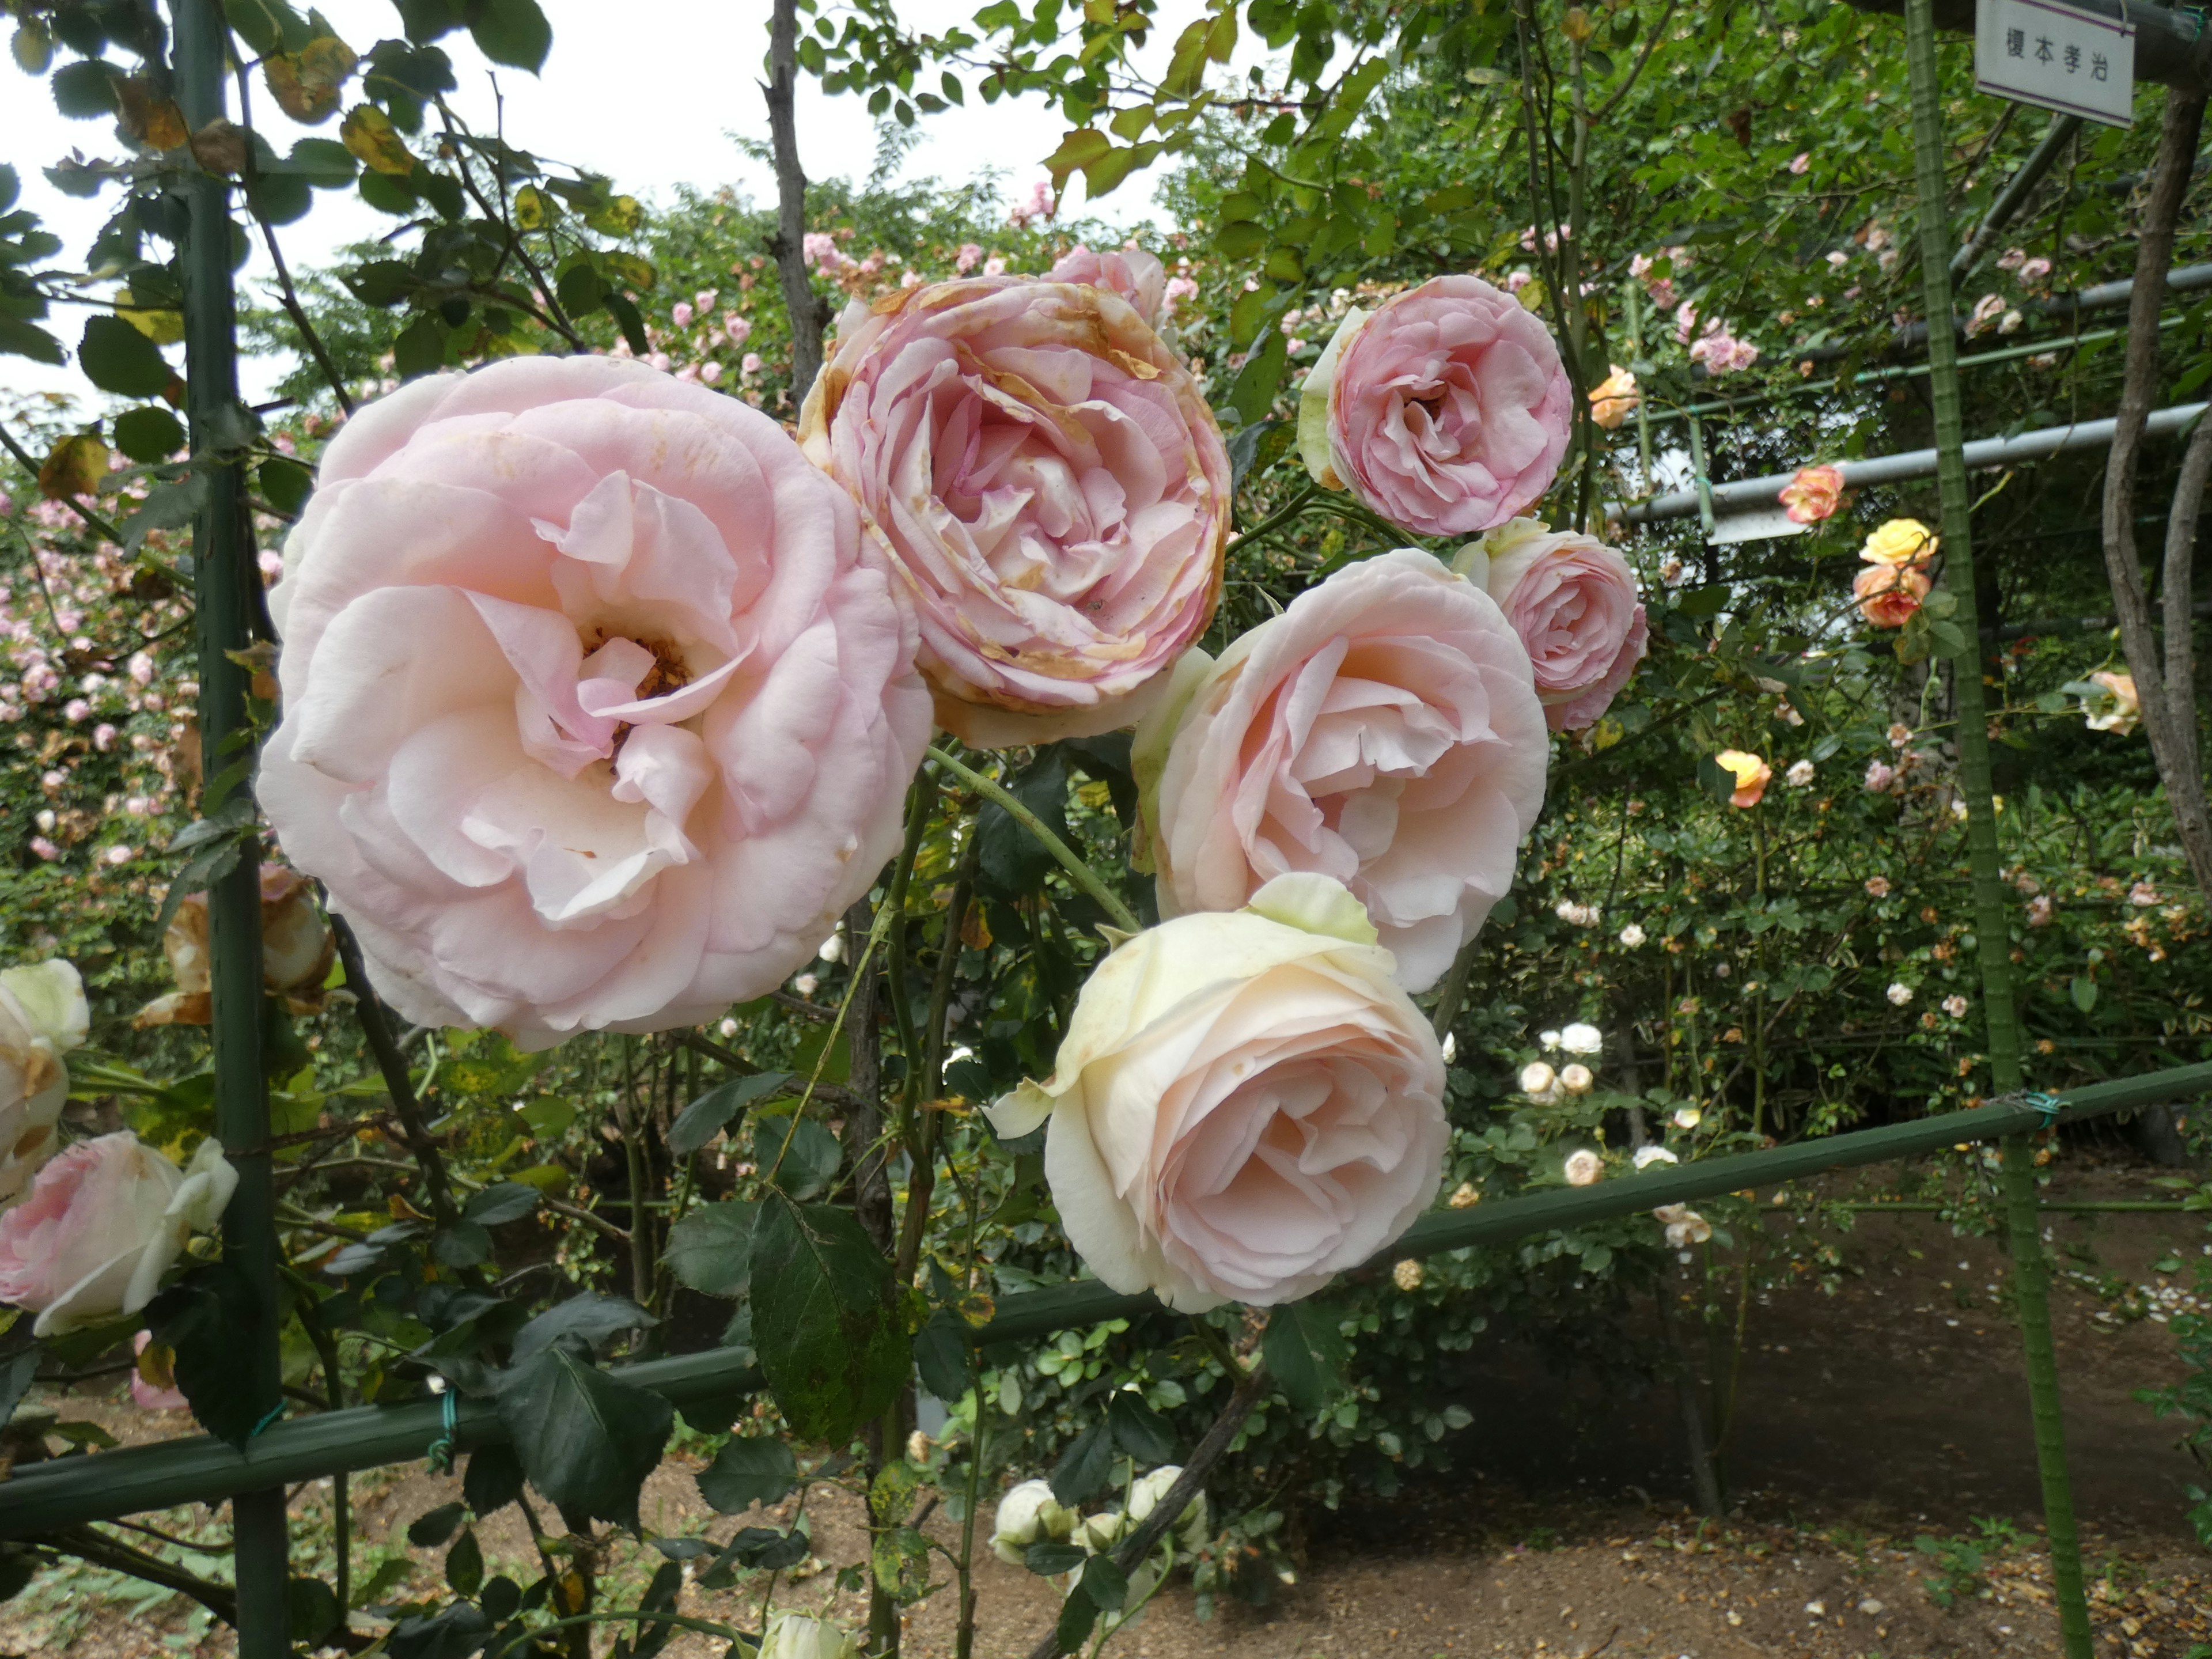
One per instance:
(1812, 495)
(1383, 731)
(1041, 478)
(1446, 410)
(1573, 603)
(101, 1225)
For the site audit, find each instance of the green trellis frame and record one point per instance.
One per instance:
(41, 1498)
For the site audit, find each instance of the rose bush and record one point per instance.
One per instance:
(1383, 731)
(1572, 600)
(102, 1225)
(1445, 409)
(1043, 482)
(43, 1016)
(1244, 1104)
(593, 717)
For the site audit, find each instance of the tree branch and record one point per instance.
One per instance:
(808, 312)
(2163, 717)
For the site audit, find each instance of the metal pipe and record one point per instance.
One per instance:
(1744, 494)
(40, 1496)
(227, 579)
(2014, 195)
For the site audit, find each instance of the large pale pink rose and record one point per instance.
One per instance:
(1573, 602)
(593, 716)
(1245, 1103)
(1445, 409)
(1131, 272)
(1045, 482)
(1383, 731)
(101, 1225)
(42, 1016)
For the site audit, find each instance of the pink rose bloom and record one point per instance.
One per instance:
(1043, 480)
(680, 313)
(710, 372)
(1244, 1105)
(101, 1225)
(1383, 731)
(1888, 594)
(819, 248)
(1178, 289)
(1446, 410)
(995, 265)
(705, 298)
(1800, 162)
(964, 261)
(737, 328)
(1879, 775)
(593, 717)
(749, 363)
(153, 1396)
(1573, 601)
(1130, 271)
(1812, 495)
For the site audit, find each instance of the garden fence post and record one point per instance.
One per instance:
(2031, 1277)
(225, 573)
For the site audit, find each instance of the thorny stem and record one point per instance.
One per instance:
(288, 295)
(399, 1082)
(1083, 875)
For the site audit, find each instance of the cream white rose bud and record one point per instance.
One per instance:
(1191, 1526)
(1028, 1514)
(1576, 1079)
(1584, 1167)
(795, 1635)
(42, 1016)
(1537, 1078)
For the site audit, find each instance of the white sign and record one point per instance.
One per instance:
(2039, 52)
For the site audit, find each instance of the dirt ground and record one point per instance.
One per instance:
(1884, 1433)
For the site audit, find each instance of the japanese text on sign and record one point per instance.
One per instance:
(2039, 52)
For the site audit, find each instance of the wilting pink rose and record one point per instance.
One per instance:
(1888, 594)
(593, 717)
(297, 950)
(1131, 272)
(1446, 409)
(1573, 601)
(1043, 481)
(1812, 495)
(101, 1225)
(1244, 1105)
(1383, 731)
(160, 1393)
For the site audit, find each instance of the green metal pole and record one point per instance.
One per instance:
(1992, 932)
(224, 572)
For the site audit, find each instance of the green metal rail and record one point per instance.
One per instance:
(69, 1490)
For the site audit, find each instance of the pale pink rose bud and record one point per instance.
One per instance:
(1573, 601)
(1178, 289)
(1446, 409)
(1800, 162)
(737, 328)
(965, 260)
(705, 298)
(142, 668)
(593, 717)
(102, 1225)
(995, 265)
(710, 372)
(1204, 1053)
(1383, 731)
(680, 313)
(75, 709)
(103, 736)
(42, 1016)
(1042, 477)
(1131, 272)
(749, 363)
(819, 248)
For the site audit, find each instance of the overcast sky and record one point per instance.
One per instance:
(648, 91)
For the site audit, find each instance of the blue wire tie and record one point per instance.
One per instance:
(2046, 1105)
(441, 1449)
(274, 1411)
